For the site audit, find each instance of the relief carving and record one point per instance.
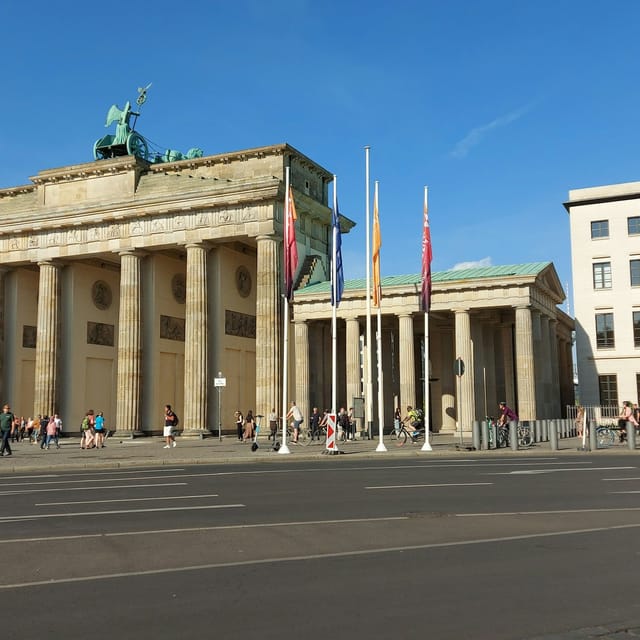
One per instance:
(239, 324)
(172, 328)
(100, 334)
(101, 295)
(179, 288)
(29, 335)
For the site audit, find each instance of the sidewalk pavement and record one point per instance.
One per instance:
(150, 452)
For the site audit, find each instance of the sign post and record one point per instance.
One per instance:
(219, 383)
(458, 369)
(331, 433)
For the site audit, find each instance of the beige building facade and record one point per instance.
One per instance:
(503, 322)
(127, 285)
(605, 253)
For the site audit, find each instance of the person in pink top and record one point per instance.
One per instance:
(626, 416)
(52, 432)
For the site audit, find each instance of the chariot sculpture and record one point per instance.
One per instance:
(127, 141)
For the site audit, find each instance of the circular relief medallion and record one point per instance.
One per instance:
(101, 295)
(243, 281)
(179, 288)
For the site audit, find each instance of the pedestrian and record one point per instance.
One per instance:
(52, 433)
(99, 428)
(44, 423)
(170, 423)
(29, 429)
(239, 424)
(87, 440)
(6, 422)
(626, 416)
(249, 424)
(397, 420)
(297, 419)
(579, 421)
(273, 424)
(58, 420)
(314, 423)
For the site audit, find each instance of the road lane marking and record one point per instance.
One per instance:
(538, 471)
(42, 516)
(16, 492)
(542, 512)
(443, 484)
(315, 556)
(617, 479)
(219, 527)
(79, 475)
(57, 504)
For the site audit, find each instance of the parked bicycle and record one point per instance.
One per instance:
(524, 434)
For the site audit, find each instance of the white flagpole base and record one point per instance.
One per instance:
(381, 447)
(284, 449)
(427, 445)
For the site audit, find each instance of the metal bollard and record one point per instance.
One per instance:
(545, 431)
(484, 432)
(631, 436)
(475, 435)
(535, 426)
(593, 441)
(513, 435)
(553, 435)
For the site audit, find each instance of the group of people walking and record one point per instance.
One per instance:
(92, 430)
(43, 429)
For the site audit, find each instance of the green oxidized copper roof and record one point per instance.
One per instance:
(452, 275)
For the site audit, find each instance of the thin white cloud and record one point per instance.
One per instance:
(476, 135)
(474, 264)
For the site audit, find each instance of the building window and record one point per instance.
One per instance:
(636, 330)
(634, 270)
(633, 225)
(600, 229)
(602, 275)
(608, 390)
(604, 331)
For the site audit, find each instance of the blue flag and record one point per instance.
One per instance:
(336, 253)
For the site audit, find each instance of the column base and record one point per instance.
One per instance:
(194, 433)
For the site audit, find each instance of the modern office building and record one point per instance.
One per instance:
(605, 252)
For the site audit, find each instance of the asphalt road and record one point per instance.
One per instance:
(536, 547)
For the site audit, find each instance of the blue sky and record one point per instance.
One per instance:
(500, 107)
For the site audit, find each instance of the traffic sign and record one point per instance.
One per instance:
(219, 382)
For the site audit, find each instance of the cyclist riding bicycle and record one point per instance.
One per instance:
(413, 421)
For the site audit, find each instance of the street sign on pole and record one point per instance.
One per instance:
(219, 382)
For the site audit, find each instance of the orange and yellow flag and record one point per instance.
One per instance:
(377, 243)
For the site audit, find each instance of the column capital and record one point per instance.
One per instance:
(49, 262)
(132, 252)
(196, 245)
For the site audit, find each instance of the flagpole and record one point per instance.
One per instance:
(427, 399)
(380, 447)
(369, 384)
(334, 286)
(332, 444)
(285, 329)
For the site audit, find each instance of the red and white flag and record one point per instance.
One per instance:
(290, 246)
(425, 297)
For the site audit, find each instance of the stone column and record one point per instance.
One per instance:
(466, 386)
(407, 363)
(129, 344)
(301, 333)
(268, 327)
(3, 388)
(352, 358)
(47, 339)
(506, 335)
(556, 390)
(545, 367)
(196, 328)
(525, 365)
